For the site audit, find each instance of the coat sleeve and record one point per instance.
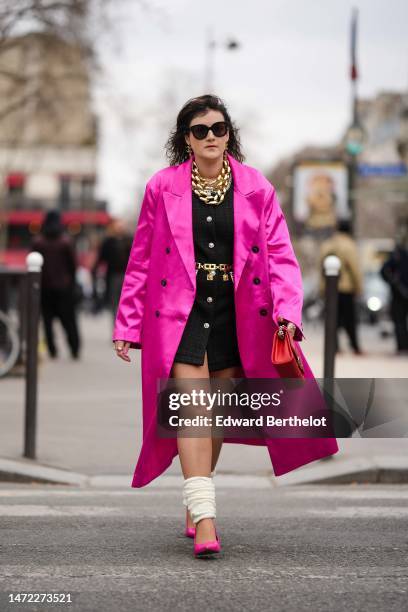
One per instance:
(284, 271)
(129, 314)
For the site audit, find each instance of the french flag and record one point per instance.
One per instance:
(354, 21)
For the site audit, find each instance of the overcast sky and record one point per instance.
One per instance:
(286, 86)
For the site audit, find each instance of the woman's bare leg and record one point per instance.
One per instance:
(233, 372)
(195, 453)
(199, 456)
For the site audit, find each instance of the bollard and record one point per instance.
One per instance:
(34, 263)
(331, 265)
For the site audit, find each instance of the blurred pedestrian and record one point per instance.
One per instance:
(350, 285)
(395, 273)
(114, 254)
(58, 286)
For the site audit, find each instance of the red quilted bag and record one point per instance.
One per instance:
(284, 356)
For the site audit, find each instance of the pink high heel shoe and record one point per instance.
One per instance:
(206, 549)
(189, 532)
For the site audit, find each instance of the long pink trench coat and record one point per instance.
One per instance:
(152, 315)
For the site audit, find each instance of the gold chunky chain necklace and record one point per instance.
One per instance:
(211, 191)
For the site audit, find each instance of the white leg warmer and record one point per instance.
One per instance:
(199, 497)
(212, 474)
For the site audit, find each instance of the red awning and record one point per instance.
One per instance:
(24, 217)
(96, 217)
(15, 179)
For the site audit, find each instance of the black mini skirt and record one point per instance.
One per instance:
(211, 325)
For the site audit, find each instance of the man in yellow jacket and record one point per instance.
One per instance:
(350, 283)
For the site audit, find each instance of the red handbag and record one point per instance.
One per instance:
(284, 356)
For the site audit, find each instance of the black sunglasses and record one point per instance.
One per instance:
(200, 130)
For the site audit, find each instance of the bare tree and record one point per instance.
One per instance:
(61, 30)
(47, 53)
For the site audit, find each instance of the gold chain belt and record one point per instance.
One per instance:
(212, 267)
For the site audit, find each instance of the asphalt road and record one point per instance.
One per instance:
(318, 548)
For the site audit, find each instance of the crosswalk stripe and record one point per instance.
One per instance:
(18, 510)
(37, 510)
(361, 512)
(64, 493)
(356, 492)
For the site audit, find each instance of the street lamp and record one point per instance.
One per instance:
(355, 135)
(354, 144)
(211, 44)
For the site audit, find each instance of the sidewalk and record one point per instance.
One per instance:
(89, 414)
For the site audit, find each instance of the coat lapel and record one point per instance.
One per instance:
(178, 203)
(247, 215)
(247, 211)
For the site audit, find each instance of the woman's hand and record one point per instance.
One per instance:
(121, 348)
(291, 326)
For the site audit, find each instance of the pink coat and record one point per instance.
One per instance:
(152, 317)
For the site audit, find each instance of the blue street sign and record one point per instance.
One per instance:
(386, 170)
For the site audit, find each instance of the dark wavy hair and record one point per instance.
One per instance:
(176, 151)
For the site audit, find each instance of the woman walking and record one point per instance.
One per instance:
(210, 275)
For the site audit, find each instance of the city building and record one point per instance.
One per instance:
(380, 197)
(48, 142)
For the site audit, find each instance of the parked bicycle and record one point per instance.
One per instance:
(9, 344)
